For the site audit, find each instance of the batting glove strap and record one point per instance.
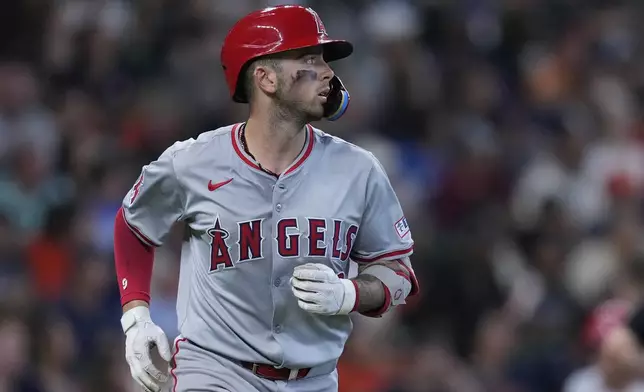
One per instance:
(349, 300)
(133, 316)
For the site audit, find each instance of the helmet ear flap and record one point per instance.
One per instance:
(337, 101)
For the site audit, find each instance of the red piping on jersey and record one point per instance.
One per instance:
(173, 363)
(306, 154)
(238, 150)
(138, 232)
(133, 260)
(235, 136)
(396, 253)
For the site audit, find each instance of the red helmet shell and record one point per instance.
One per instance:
(273, 30)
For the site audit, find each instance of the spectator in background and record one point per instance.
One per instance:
(432, 368)
(27, 192)
(11, 253)
(51, 255)
(364, 368)
(492, 351)
(605, 374)
(598, 262)
(24, 120)
(14, 361)
(461, 282)
(56, 357)
(556, 174)
(88, 305)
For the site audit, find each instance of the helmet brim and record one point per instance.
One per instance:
(336, 49)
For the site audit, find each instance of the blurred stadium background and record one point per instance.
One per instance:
(512, 130)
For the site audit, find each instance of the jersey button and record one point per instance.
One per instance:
(278, 328)
(278, 207)
(277, 282)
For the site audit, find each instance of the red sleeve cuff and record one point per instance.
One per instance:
(135, 296)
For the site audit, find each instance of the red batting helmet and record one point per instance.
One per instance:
(274, 30)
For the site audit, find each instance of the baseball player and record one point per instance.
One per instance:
(274, 211)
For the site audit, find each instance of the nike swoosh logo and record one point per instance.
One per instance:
(214, 187)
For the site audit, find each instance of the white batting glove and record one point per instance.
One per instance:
(319, 290)
(141, 335)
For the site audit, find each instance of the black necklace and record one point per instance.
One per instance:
(242, 139)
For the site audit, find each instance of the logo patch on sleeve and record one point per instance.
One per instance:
(402, 228)
(136, 189)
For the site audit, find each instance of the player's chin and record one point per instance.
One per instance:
(315, 112)
(316, 116)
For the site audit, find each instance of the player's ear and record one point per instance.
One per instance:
(266, 79)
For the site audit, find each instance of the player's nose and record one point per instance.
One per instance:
(327, 73)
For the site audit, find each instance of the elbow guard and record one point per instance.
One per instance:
(397, 282)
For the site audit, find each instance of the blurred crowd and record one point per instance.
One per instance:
(512, 130)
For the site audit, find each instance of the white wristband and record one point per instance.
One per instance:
(349, 300)
(134, 315)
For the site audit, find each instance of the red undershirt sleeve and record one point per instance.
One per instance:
(133, 260)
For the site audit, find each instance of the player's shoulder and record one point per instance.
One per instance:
(192, 148)
(344, 152)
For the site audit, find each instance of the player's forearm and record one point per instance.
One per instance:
(377, 281)
(133, 262)
(370, 293)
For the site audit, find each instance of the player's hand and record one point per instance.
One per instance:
(319, 290)
(141, 335)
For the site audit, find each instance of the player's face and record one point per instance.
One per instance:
(303, 82)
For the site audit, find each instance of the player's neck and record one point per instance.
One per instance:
(274, 144)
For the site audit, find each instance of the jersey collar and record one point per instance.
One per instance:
(304, 154)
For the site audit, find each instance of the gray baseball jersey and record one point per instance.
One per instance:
(247, 230)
